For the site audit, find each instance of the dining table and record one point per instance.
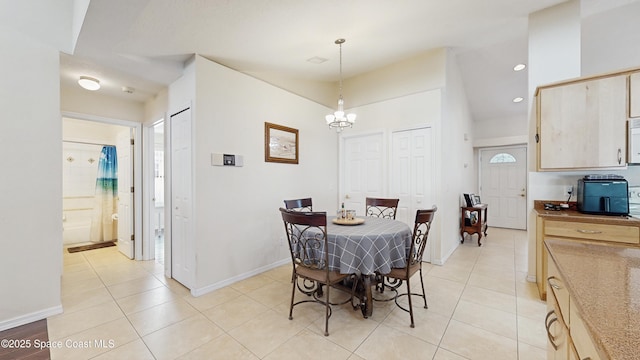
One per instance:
(367, 246)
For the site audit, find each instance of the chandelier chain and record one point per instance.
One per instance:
(341, 69)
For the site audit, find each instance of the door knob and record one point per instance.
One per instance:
(522, 195)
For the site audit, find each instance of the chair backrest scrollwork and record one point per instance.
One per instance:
(307, 238)
(424, 219)
(382, 208)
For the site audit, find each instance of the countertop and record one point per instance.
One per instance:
(572, 214)
(604, 282)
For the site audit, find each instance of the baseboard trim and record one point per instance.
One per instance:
(209, 288)
(29, 318)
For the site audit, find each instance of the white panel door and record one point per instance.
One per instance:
(125, 195)
(182, 247)
(411, 174)
(503, 179)
(362, 173)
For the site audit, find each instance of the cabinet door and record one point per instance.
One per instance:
(583, 125)
(634, 95)
(557, 332)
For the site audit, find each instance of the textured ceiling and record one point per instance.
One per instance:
(143, 43)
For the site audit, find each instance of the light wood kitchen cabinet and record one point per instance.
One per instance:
(557, 332)
(567, 335)
(582, 124)
(557, 309)
(634, 95)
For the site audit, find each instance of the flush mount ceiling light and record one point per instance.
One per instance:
(339, 120)
(519, 67)
(89, 83)
(517, 99)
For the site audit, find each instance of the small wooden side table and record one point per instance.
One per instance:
(468, 226)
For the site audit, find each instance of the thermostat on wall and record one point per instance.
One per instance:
(226, 160)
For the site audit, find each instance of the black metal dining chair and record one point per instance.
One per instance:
(307, 237)
(305, 204)
(382, 208)
(395, 278)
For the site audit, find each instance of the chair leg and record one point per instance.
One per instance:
(410, 304)
(294, 280)
(424, 294)
(326, 315)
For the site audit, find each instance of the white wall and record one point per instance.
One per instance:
(238, 228)
(31, 211)
(77, 100)
(501, 128)
(433, 96)
(554, 55)
(413, 75)
(604, 51)
(457, 171)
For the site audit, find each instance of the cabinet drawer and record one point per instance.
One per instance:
(580, 336)
(557, 291)
(589, 231)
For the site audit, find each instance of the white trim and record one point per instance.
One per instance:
(148, 133)
(209, 288)
(31, 317)
(501, 141)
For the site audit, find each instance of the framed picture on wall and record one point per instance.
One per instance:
(280, 144)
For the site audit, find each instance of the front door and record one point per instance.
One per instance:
(125, 193)
(503, 179)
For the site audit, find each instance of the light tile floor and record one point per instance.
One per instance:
(480, 307)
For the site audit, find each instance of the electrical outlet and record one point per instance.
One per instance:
(568, 190)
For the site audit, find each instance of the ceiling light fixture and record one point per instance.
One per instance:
(517, 99)
(89, 83)
(338, 119)
(519, 67)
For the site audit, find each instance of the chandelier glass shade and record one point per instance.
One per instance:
(339, 120)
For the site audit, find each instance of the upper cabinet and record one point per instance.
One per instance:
(582, 124)
(634, 95)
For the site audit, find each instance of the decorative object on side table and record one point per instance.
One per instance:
(467, 199)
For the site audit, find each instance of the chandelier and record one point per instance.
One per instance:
(339, 120)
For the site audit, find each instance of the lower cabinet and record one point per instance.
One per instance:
(557, 332)
(567, 335)
(577, 231)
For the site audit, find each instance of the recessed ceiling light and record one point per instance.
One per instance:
(517, 99)
(89, 83)
(519, 67)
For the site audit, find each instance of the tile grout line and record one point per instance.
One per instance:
(466, 283)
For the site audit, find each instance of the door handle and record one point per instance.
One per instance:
(522, 195)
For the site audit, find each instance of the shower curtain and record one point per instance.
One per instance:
(103, 227)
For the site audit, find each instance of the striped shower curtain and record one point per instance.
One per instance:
(103, 227)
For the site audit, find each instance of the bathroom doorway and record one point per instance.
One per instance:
(85, 214)
(158, 192)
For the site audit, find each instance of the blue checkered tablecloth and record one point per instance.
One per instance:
(375, 246)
